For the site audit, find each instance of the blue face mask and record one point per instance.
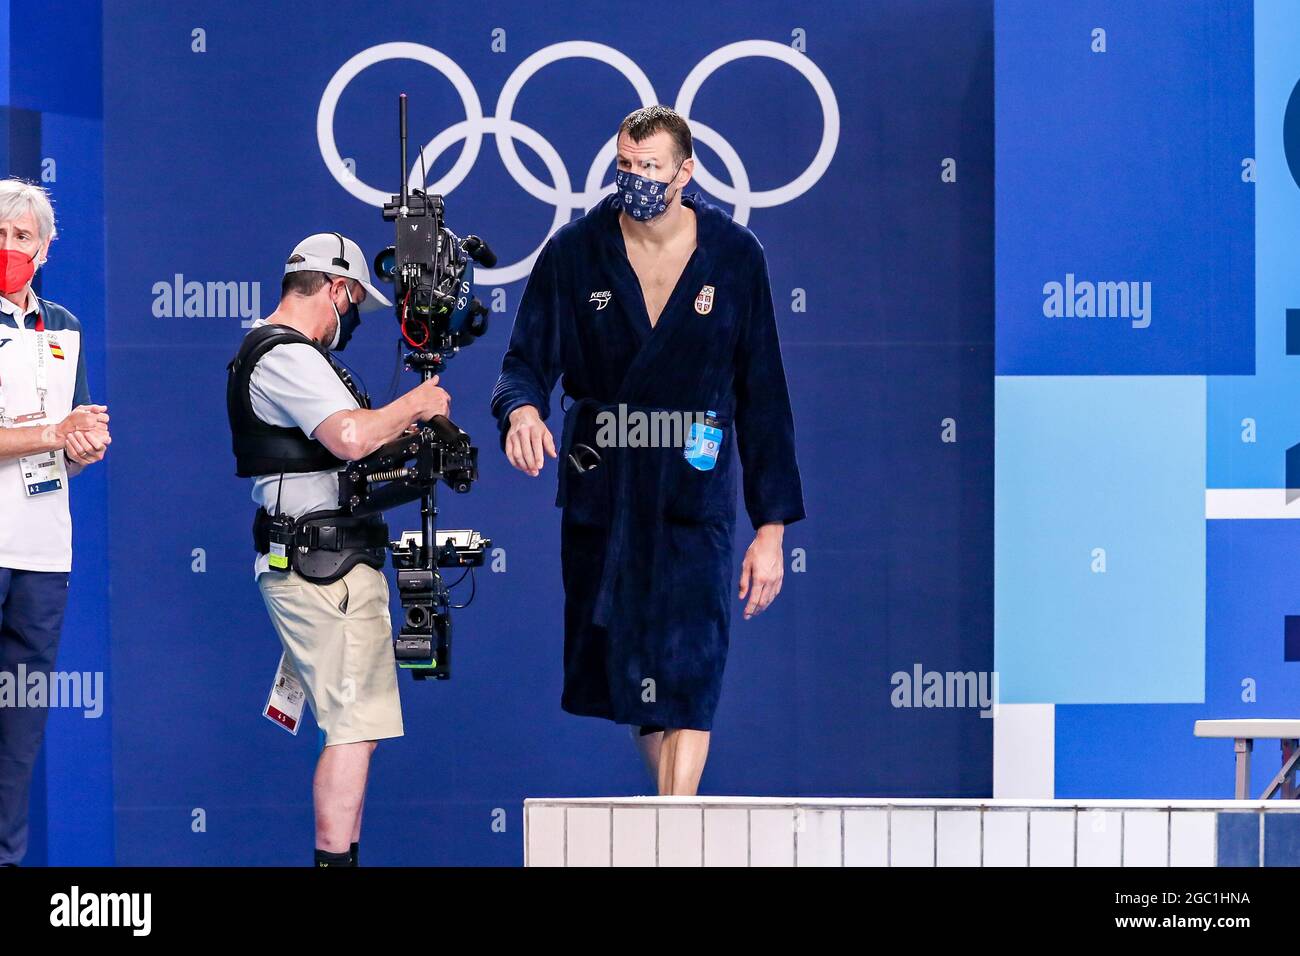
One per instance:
(643, 198)
(348, 323)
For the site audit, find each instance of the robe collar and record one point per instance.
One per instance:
(677, 310)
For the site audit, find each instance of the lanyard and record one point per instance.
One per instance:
(42, 369)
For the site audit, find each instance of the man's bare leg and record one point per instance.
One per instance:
(648, 747)
(339, 791)
(356, 831)
(681, 761)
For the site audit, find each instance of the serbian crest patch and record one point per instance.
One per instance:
(704, 301)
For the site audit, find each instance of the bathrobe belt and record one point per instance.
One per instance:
(620, 501)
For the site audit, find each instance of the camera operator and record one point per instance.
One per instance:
(296, 417)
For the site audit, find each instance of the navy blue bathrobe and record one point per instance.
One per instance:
(646, 538)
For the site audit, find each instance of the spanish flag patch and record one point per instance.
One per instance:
(55, 349)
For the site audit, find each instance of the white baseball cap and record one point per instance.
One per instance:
(338, 256)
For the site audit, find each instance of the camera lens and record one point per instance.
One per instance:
(386, 263)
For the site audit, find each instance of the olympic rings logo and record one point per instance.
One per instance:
(506, 129)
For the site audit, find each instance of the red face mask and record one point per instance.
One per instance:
(16, 270)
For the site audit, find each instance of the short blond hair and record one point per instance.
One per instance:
(643, 123)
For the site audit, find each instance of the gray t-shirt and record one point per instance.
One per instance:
(294, 386)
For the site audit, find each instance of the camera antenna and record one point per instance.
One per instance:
(401, 131)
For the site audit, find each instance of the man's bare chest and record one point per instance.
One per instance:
(658, 275)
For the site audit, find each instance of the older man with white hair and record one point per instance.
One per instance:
(49, 431)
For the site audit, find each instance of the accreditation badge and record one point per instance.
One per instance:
(42, 473)
(284, 704)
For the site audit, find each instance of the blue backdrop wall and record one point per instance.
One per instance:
(854, 139)
(52, 130)
(1146, 210)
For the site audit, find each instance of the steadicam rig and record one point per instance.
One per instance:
(432, 272)
(405, 468)
(409, 469)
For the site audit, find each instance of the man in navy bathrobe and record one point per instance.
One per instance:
(657, 309)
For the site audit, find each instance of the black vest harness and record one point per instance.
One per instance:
(261, 448)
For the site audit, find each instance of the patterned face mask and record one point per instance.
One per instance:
(643, 198)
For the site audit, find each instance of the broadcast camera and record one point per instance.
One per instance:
(432, 272)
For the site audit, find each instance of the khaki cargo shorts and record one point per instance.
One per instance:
(340, 638)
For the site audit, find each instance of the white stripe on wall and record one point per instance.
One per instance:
(1252, 503)
(1024, 752)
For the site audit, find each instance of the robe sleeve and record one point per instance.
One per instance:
(764, 422)
(532, 360)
